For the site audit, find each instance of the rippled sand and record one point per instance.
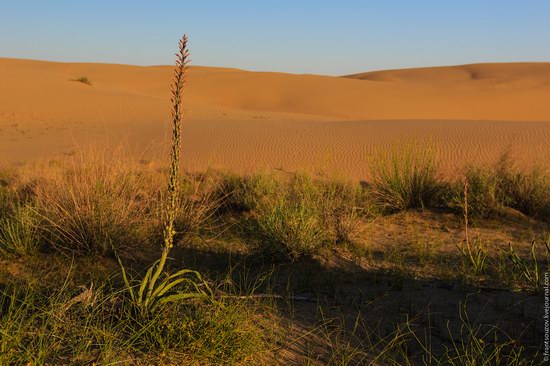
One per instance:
(244, 121)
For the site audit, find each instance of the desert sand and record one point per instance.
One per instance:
(244, 121)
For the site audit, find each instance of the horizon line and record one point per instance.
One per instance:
(279, 72)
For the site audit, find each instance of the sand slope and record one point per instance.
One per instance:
(243, 120)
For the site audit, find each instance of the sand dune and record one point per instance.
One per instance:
(242, 120)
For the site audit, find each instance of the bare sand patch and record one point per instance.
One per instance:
(243, 121)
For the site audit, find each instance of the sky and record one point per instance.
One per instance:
(320, 37)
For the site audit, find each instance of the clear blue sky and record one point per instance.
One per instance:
(326, 37)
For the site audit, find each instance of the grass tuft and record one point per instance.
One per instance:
(19, 231)
(530, 270)
(88, 206)
(198, 207)
(526, 190)
(245, 193)
(483, 199)
(292, 223)
(404, 178)
(473, 252)
(345, 209)
(505, 185)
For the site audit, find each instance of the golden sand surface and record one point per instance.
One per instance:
(244, 121)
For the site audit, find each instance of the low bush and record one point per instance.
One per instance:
(301, 215)
(245, 193)
(88, 206)
(483, 200)
(527, 191)
(504, 185)
(345, 208)
(83, 80)
(293, 222)
(404, 178)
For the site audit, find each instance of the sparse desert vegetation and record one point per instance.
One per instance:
(106, 258)
(275, 253)
(83, 80)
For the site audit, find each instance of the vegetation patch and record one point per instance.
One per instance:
(405, 178)
(83, 80)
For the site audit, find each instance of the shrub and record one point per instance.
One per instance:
(482, 193)
(526, 191)
(504, 185)
(245, 193)
(83, 80)
(297, 217)
(404, 178)
(91, 205)
(292, 222)
(344, 208)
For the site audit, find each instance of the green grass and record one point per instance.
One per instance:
(100, 325)
(531, 269)
(245, 193)
(483, 201)
(473, 347)
(19, 231)
(341, 340)
(49, 327)
(300, 217)
(405, 178)
(292, 222)
(503, 184)
(527, 190)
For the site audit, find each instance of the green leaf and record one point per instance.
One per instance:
(144, 282)
(125, 278)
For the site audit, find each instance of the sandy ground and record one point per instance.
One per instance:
(244, 121)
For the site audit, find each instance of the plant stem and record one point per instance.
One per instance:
(173, 183)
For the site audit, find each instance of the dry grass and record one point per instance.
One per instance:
(347, 209)
(89, 205)
(198, 207)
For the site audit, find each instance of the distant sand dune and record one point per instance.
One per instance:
(243, 121)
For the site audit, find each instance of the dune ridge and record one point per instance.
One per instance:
(241, 120)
